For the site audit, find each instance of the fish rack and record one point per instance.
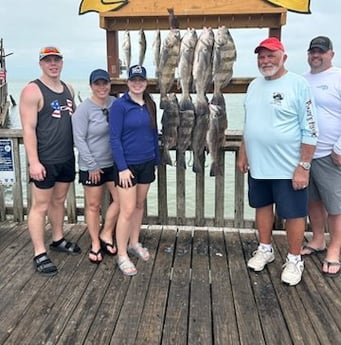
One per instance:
(152, 15)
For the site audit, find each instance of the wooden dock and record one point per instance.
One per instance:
(194, 290)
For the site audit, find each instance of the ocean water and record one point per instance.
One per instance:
(235, 115)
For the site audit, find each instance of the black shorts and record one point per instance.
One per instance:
(61, 172)
(144, 173)
(106, 176)
(289, 203)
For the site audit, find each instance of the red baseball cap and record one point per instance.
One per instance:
(271, 43)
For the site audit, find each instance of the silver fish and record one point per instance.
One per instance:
(199, 141)
(224, 56)
(216, 132)
(143, 46)
(157, 47)
(187, 46)
(168, 63)
(187, 119)
(202, 63)
(126, 46)
(170, 122)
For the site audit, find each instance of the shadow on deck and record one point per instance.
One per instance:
(194, 290)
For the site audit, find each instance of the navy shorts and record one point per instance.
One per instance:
(144, 173)
(61, 172)
(107, 176)
(289, 203)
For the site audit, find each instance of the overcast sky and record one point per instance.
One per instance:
(26, 26)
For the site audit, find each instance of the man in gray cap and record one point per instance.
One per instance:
(325, 176)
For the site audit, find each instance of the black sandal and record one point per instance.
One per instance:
(65, 246)
(104, 247)
(95, 254)
(44, 265)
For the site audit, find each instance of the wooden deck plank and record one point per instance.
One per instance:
(130, 316)
(200, 325)
(195, 289)
(249, 326)
(269, 310)
(150, 327)
(298, 324)
(48, 310)
(225, 328)
(313, 305)
(176, 318)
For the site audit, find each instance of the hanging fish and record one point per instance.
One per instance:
(126, 46)
(185, 64)
(202, 79)
(199, 141)
(143, 46)
(157, 47)
(168, 62)
(202, 69)
(216, 132)
(170, 122)
(224, 56)
(187, 119)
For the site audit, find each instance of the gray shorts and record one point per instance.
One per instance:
(325, 184)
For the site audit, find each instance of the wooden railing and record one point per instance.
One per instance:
(179, 197)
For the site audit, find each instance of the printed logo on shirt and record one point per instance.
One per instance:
(57, 108)
(310, 119)
(278, 98)
(323, 87)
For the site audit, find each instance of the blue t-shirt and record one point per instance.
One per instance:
(132, 137)
(279, 117)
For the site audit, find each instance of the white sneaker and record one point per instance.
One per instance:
(292, 272)
(260, 258)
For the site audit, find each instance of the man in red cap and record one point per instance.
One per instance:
(279, 141)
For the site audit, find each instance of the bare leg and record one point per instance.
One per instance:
(142, 190)
(264, 221)
(295, 233)
(111, 216)
(93, 199)
(318, 221)
(56, 209)
(334, 247)
(127, 197)
(37, 217)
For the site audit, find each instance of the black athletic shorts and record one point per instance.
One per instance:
(61, 172)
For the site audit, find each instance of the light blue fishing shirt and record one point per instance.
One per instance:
(279, 117)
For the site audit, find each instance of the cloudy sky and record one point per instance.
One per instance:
(26, 26)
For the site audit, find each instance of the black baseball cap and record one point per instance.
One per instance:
(321, 42)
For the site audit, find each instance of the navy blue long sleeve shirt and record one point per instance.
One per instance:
(132, 138)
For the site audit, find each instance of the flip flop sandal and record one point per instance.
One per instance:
(65, 246)
(126, 266)
(104, 247)
(139, 251)
(44, 265)
(313, 250)
(331, 263)
(97, 261)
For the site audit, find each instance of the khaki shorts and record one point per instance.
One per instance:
(325, 184)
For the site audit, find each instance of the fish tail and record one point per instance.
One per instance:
(198, 163)
(166, 158)
(180, 161)
(163, 102)
(215, 169)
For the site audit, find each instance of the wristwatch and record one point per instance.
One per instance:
(305, 165)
